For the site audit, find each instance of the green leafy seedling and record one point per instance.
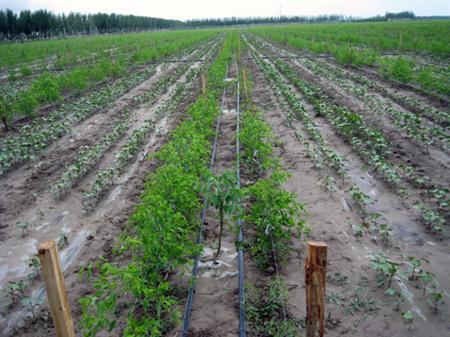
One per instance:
(222, 193)
(428, 280)
(385, 267)
(413, 263)
(24, 226)
(408, 317)
(35, 265)
(397, 296)
(358, 230)
(62, 240)
(435, 299)
(329, 184)
(385, 231)
(15, 290)
(32, 303)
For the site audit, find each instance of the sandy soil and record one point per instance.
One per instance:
(329, 215)
(26, 196)
(356, 306)
(433, 163)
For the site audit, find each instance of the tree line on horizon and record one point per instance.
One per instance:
(44, 24)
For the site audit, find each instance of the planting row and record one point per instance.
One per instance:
(410, 269)
(366, 141)
(34, 137)
(417, 127)
(66, 51)
(89, 156)
(431, 78)
(161, 229)
(273, 218)
(128, 151)
(50, 87)
(318, 149)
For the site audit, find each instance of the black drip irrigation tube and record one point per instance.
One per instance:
(188, 309)
(242, 325)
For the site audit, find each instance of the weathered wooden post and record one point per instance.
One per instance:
(56, 291)
(315, 277)
(244, 77)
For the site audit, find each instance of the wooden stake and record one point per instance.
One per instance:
(315, 276)
(244, 76)
(56, 291)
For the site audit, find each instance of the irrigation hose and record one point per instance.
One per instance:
(188, 309)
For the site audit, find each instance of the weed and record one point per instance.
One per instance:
(277, 215)
(334, 298)
(46, 88)
(265, 310)
(25, 70)
(400, 69)
(337, 278)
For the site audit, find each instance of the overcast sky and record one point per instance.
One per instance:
(190, 9)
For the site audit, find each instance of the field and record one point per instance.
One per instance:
(183, 172)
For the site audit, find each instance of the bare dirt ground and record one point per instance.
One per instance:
(356, 306)
(350, 280)
(26, 196)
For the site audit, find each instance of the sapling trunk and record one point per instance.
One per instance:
(391, 276)
(220, 233)
(397, 307)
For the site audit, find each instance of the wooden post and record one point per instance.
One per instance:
(56, 291)
(315, 276)
(203, 79)
(244, 77)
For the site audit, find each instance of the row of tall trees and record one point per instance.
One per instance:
(267, 20)
(391, 16)
(43, 23)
